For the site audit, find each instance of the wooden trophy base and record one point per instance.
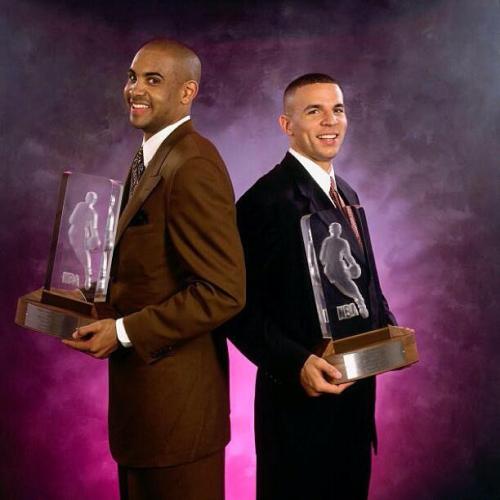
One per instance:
(371, 353)
(56, 313)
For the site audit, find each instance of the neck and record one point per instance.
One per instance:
(148, 135)
(326, 166)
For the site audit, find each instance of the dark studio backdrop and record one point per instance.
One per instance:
(422, 87)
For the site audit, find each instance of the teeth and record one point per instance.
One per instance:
(139, 106)
(328, 136)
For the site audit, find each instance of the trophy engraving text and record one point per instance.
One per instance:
(373, 360)
(71, 279)
(49, 321)
(347, 311)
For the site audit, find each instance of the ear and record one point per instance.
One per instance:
(285, 124)
(189, 91)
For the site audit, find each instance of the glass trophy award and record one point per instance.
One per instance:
(78, 271)
(348, 297)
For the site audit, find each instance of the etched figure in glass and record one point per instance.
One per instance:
(107, 251)
(83, 235)
(340, 267)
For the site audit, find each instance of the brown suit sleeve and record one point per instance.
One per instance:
(201, 226)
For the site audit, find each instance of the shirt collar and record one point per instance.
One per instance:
(150, 147)
(321, 177)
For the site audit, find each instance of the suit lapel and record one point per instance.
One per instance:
(315, 197)
(345, 191)
(150, 178)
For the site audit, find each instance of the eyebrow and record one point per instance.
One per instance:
(153, 73)
(311, 106)
(148, 74)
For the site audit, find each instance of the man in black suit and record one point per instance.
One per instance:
(313, 436)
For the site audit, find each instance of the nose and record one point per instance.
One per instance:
(135, 88)
(329, 118)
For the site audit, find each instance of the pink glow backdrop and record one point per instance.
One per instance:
(422, 85)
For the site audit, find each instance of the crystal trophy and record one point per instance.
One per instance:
(349, 299)
(81, 253)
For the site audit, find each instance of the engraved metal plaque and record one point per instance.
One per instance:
(373, 352)
(373, 359)
(49, 321)
(32, 313)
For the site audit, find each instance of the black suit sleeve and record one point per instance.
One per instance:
(256, 331)
(389, 316)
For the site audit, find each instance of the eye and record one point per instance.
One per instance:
(312, 111)
(153, 80)
(339, 111)
(132, 78)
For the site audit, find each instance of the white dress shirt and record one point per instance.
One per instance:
(320, 176)
(149, 149)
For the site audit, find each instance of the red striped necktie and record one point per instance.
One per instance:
(346, 211)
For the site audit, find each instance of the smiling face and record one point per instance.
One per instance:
(157, 91)
(315, 121)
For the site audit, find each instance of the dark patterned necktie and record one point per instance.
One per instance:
(136, 171)
(348, 215)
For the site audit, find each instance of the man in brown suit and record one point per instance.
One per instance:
(178, 273)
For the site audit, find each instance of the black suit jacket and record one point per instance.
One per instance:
(279, 328)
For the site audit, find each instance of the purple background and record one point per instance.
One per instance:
(422, 86)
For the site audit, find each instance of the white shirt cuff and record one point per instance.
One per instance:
(121, 333)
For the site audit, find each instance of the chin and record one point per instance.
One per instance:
(326, 156)
(137, 125)
(330, 155)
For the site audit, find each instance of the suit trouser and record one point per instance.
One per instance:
(312, 448)
(337, 477)
(200, 480)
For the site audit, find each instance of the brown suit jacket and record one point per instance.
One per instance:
(178, 273)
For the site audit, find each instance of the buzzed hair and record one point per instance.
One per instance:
(191, 63)
(307, 79)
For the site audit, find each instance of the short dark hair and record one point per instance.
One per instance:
(307, 79)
